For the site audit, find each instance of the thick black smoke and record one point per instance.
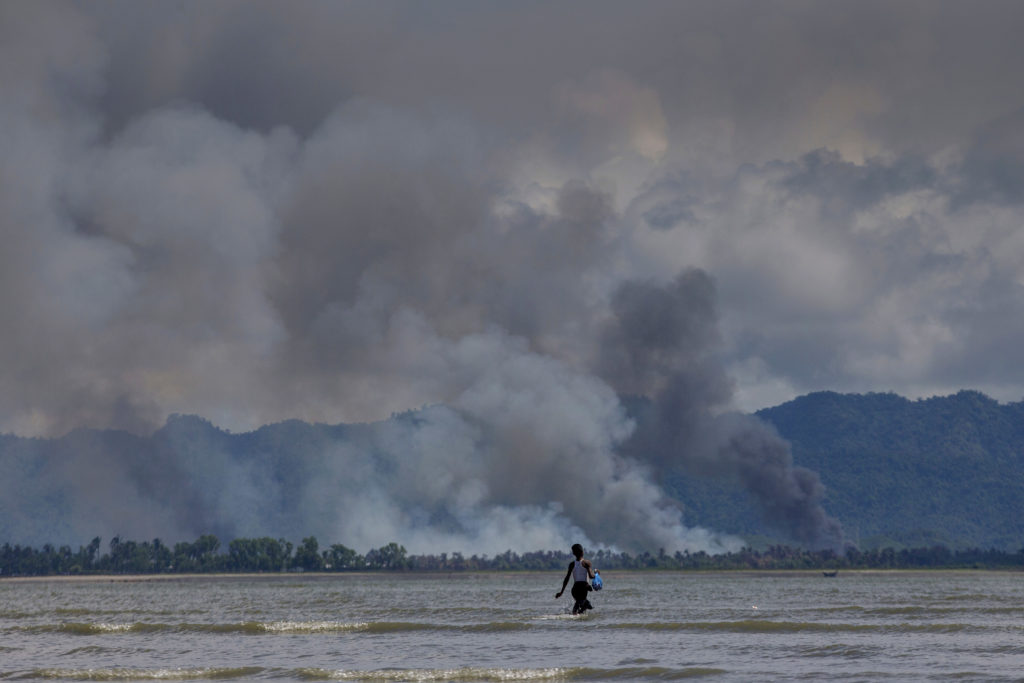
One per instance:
(661, 344)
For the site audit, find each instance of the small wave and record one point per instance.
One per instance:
(764, 626)
(87, 650)
(743, 626)
(913, 610)
(931, 610)
(251, 627)
(839, 650)
(263, 628)
(308, 626)
(122, 674)
(383, 627)
(503, 674)
(77, 611)
(269, 627)
(90, 611)
(372, 627)
(427, 675)
(995, 650)
(965, 597)
(833, 611)
(994, 610)
(906, 610)
(82, 629)
(497, 627)
(651, 673)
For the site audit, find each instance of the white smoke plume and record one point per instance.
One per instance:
(523, 458)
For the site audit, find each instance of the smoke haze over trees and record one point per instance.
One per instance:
(943, 471)
(504, 218)
(435, 479)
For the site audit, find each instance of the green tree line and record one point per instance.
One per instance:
(206, 555)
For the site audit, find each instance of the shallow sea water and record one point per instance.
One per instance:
(729, 626)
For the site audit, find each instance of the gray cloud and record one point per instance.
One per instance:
(258, 211)
(891, 273)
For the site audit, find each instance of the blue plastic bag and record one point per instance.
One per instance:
(597, 584)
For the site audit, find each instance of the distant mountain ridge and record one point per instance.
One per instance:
(939, 471)
(944, 470)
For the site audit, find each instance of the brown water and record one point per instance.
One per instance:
(497, 627)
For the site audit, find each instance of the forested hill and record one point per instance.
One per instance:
(901, 473)
(946, 470)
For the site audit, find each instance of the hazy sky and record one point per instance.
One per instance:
(254, 211)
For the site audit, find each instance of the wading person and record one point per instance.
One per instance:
(580, 571)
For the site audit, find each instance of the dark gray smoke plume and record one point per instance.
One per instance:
(661, 344)
(526, 453)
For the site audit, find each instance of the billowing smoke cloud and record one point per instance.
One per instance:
(661, 344)
(255, 211)
(523, 458)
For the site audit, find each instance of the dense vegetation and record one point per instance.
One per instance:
(205, 555)
(945, 471)
(903, 474)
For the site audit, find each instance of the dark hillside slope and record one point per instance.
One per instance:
(944, 470)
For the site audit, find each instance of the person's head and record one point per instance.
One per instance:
(577, 550)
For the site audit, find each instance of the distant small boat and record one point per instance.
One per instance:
(831, 574)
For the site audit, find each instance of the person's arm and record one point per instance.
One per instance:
(590, 568)
(565, 583)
